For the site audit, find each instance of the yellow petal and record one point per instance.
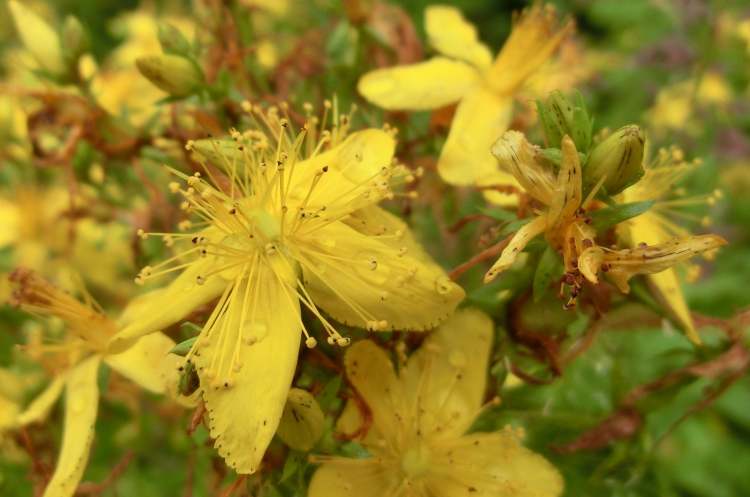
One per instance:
(567, 199)
(646, 228)
(448, 374)
(160, 309)
(624, 264)
(144, 362)
(450, 34)
(371, 373)
(492, 465)
(362, 281)
(480, 118)
(519, 241)
(351, 170)
(532, 41)
(363, 478)
(498, 196)
(81, 402)
(244, 407)
(520, 158)
(38, 37)
(41, 405)
(423, 86)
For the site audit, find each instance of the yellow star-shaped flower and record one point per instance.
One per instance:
(74, 363)
(417, 443)
(292, 222)
(465, 72)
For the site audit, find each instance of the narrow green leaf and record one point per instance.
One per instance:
(608, 217)
(182, 348)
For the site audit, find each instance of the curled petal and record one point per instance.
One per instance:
(621, 265)
(520, 158)
(519, 241)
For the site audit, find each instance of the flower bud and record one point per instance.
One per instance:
(74, 39)
(39, 38)
(175, 75)
(173, 41)
(562, 116)
(618, 159)
(302, 422)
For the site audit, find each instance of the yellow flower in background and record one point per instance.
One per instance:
(73, 361)
(39, 38)
(656, 226)
(675, 105)
(13, 131)
(117, 85)
(46, 235)
(291, 220)
(466, 73)
(418, 443)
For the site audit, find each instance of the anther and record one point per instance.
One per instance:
(311, 342)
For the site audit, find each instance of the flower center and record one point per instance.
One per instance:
(415, 463)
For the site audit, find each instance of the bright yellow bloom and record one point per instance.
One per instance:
(655, 227)
(291, 220)
(417, 442)
(466, 73)
(73, 362)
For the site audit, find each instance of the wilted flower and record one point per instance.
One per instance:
(466, 73)
(417, 442)
(73, 361)
(565, 223)
(292, 219)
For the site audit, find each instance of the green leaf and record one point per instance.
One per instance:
(182, 348)
(603, 219)
(549, 267)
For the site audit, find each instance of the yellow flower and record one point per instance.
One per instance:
(655, 227)
(44, 237)
(675, 105)
(118, 86)
(74, 363)
(466, 73)
(290, 220)
(38, 37)
(417, 442)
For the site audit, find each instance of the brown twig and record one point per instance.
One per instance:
(89, 488)
(484, 255)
